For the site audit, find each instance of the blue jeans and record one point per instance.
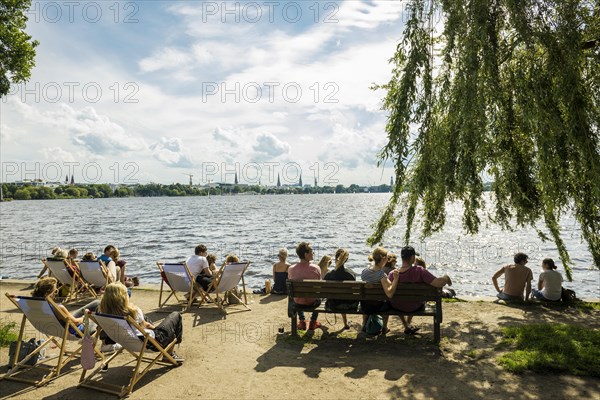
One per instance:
(314, 315)
(538, 295)
(504, 296)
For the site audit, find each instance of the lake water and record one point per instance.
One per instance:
(255, 227)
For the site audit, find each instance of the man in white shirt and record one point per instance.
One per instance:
(200, 268)
(198, 262)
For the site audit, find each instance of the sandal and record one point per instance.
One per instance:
(411, 330)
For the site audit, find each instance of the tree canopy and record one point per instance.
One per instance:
(507, 88)
(17, 49)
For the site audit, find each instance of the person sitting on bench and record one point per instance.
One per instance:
(305, 270)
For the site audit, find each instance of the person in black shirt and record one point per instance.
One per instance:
(340, 273)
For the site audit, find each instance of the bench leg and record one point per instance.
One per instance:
(436, 330)
(294, 326)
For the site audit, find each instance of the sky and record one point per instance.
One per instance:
(153, 91)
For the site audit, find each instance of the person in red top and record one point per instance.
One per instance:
(305, 270)
(410, 273)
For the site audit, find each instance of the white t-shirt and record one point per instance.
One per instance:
(196, 264)
(552, 284)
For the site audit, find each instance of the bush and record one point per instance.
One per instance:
(8, 333)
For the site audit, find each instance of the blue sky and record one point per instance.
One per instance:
(149, 91)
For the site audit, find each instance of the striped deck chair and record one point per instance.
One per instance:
(68, 276)
(48, 319)
(94, 273)
(178, 278)
(122, 331)
(227, 279)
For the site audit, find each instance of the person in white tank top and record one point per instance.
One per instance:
(549, 283)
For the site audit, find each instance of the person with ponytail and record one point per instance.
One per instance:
(549, 283)
(341, 273)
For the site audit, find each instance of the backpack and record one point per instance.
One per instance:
(568, 295)
(374, 325)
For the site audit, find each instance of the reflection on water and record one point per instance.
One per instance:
(255, 227)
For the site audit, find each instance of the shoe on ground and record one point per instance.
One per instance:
(109, 348)
(314, 325)
(411, 330)
(302, 325)
(177, 358)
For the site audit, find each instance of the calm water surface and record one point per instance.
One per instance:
(255, 227)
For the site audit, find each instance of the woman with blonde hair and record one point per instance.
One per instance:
(280, 273)
(341, 273)
(374, 274)
(116, 302)
(324, 264)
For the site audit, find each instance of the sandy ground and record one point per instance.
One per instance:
(243, 356)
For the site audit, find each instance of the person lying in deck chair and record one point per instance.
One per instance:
(116, 302)
(47, 287)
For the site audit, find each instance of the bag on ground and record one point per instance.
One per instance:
(26, 349)
(374, 325)
(568, 295)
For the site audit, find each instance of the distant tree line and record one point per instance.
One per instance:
(31, 192)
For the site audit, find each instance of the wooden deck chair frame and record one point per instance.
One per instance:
(77, 285)
(213, 289)
(16, 369)
(91, 280)
(137, 375)
(194, 290)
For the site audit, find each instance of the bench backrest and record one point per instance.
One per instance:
(358, 290)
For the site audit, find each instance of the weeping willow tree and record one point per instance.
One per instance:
(505, 88)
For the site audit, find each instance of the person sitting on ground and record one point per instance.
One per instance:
(48, 287)
(305, 270)
(324, 264)
(549, 283)
(374, 274)
(341, 273)
(409, 273)
(116, 302)
(390, 265)
(517, 278)
(280, 273)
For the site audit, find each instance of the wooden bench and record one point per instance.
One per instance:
(357, 290)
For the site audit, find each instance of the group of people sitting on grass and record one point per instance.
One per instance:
(518, 277)
(381, 270)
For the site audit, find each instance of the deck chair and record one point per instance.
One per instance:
(178, 278)
(68, 276)
(228, 278)
(94, 273)
(122, 330)
(39, 312)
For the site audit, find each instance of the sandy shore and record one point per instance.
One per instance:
(243, 356)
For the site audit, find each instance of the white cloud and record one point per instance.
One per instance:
(5, 133)
(226, 136)
(170, 151)
(268, 146)
(57, 154)
(166, 58)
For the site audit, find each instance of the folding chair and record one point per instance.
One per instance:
(48, 319)
(178, 278)
(122, 330)
(94, 273)
(227, 279)
(67, 275)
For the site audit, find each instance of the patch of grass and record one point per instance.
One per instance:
(454, 300)
(552, 348)
(8, 333)
(585, 305)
